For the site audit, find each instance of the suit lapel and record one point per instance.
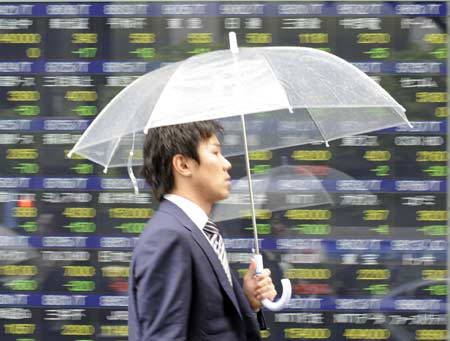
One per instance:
(206, 247)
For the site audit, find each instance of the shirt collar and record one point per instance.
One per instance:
(191, 209)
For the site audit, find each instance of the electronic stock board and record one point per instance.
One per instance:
(370, 265)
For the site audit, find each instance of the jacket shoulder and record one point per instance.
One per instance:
(163, 227)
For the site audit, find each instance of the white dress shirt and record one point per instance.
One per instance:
(191, 209)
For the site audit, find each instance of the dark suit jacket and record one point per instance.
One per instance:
(178, 289)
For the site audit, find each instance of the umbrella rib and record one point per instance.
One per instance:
(119, 139)
(319, 128)
(287, 99)
(272, 72)
(164, 90)
(112, 153)
(116, 98)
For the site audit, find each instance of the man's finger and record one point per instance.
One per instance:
(263, 282)
(266, 288)
(252, 268)
(265, 273)
(271, 294)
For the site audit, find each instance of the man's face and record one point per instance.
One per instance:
(211, 177)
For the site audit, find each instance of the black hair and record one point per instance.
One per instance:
(163, 143)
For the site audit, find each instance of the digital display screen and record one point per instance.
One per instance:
(368, 264)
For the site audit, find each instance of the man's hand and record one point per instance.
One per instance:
(258, 288)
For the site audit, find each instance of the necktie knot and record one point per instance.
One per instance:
(210, 228)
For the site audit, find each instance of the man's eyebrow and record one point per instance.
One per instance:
(216, 144)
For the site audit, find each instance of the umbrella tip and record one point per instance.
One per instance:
(233, 42)
(69, 154)
(105, 170)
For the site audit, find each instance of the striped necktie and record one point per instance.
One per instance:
(216, 240)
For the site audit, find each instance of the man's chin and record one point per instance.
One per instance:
(224, 195)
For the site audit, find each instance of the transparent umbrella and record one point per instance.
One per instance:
(286, 95)
(280, 90)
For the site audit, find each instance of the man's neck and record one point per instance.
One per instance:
(206, 207)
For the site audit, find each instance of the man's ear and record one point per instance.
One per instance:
(182, 165)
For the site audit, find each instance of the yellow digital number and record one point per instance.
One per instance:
(25, 212)
(367, 334)
(22, 154)
(79, 271)
(265, 334)
(260, 214)
(18, 270)
(308, 273)
(78, 329)
(33, 52)
(141, 38)
(79, 212)
(375, 215)
(258, 38)
(200, 38)
(20, 38)
(308, 214)
(84, 38)
(425, 156)
(431, 334)
(81, 96)
(377, 155)
(115, 271)
(130, 213)
(312, 155)
(431, 215)
(436, 38)
(313, 38)
(373, 274)
(260, 155)
(23, 96)
(441, 112)
(20, 328)
(431, 97)
(114, 331)
(307, 333)
(434, 275)
(374, 38)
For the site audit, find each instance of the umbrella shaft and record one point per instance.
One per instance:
(250, 185)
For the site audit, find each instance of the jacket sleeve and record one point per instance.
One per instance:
(162, 270)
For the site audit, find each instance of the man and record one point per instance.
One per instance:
(180, 285)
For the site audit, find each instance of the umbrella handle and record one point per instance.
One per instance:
(287, 289)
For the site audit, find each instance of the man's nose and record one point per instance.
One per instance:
(227, 164)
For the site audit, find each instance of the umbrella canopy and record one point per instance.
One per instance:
(291, 95)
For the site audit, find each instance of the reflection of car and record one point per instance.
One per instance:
(403, 327)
